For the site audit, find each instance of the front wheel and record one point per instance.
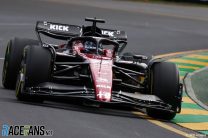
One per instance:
(164, 82)
(12, 60)
(36, 67)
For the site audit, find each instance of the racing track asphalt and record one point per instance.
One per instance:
(148, 34)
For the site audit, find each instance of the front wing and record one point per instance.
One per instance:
(53, 90)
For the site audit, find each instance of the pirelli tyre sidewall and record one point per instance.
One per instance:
(12, 60)
(36, 68)
(164, 83)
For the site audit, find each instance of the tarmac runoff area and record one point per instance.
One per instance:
(199, 83)
(194, 112)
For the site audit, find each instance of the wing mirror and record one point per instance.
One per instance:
(139, 58)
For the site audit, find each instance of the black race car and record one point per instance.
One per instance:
(88, 65)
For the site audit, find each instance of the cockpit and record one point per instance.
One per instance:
(94, 45)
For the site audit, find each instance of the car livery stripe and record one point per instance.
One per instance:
(192, 115)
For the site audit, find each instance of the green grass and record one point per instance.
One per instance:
(188, 64)
(204, 132)
(187, 70)
(195, 59)
(190, 118)
(191, 106)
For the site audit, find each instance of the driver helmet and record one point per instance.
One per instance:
(90, 46)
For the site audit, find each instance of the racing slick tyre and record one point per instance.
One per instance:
(12, 60)
(165, 84)
(35, 69)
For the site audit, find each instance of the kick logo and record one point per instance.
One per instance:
(109, 33)
(25, 130)
(59, 27)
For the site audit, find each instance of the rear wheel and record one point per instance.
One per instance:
(164, 83)
(12, 60)
(35, 69)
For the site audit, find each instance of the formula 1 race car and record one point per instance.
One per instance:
(89, 65)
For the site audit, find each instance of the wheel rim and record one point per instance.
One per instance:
(20, 82)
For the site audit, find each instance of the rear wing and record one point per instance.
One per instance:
(65, 31)
(57, 30)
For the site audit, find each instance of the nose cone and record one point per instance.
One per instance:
(102, 78)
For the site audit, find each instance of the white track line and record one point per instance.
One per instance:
(1, 58)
